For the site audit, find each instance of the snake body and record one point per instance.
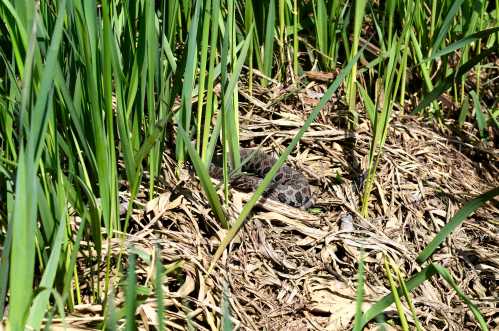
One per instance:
(289, 186)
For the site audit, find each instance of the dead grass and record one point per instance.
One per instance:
(294, 271)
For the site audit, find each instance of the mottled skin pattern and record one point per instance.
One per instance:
(289, 186)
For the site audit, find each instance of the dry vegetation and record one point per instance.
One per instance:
(295, 270)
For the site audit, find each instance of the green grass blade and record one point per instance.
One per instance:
(151, 41)
(186, 111)
(19, 28)
(474, 309)
(23, 221)
(425, 67)
(465, 110)
(296, 17)
(268, 52)
(414, 282)
(359, 296)
(41, 114)
(5, 267)
(67, 285)
(211, 78)
(387, 300)
(111, 321)
(227, 323)
(152, 138)
(463, 42)
(447, 81)
(131, 294)
(468, 208)
(368, 102)
(481, 121)
(24, 216)
(408, 298)
(396, 297)
(351, 93)
(204, 178)
(444, 29)
(202, 72)
(232, 119)
(40, 302)
(158, 285)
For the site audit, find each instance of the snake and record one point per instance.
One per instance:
(289, 186)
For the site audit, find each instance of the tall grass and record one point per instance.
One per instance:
(93, 92)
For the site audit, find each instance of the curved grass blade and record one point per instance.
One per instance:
(131, 294)
(280, 161)
(20, 29)
(463, 42)
(40, 302)
(446, 23)
(41, 111)
(455, 221)
(447, 81)
(387, 300)
(23, 222)
(398, 304)
(410, 302)
(204, 177)
(227, 323)
(474, 309)
(481, 121)
(158, 266)
(185, 113)
(268, 43)
(414, 282)
(359, 299)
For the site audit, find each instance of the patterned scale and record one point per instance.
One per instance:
(289, 186)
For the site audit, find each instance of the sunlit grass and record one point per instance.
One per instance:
(94, 92)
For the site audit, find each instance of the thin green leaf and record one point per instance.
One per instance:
(131, 294)
(40, 303)
(204, 178)
(447, 81)
(5, 267)
(396, 296)
(268, 52)
(444, 28)
(463, 42)
(387, 300)
(227, 322)
(468, 208)
(185, 113)
(41, 111)
(368, 102)
(158, 285)
(359, 296)
(465, 110)
(474, 309)
(23, 221)
(481, 121)
(421, 277)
